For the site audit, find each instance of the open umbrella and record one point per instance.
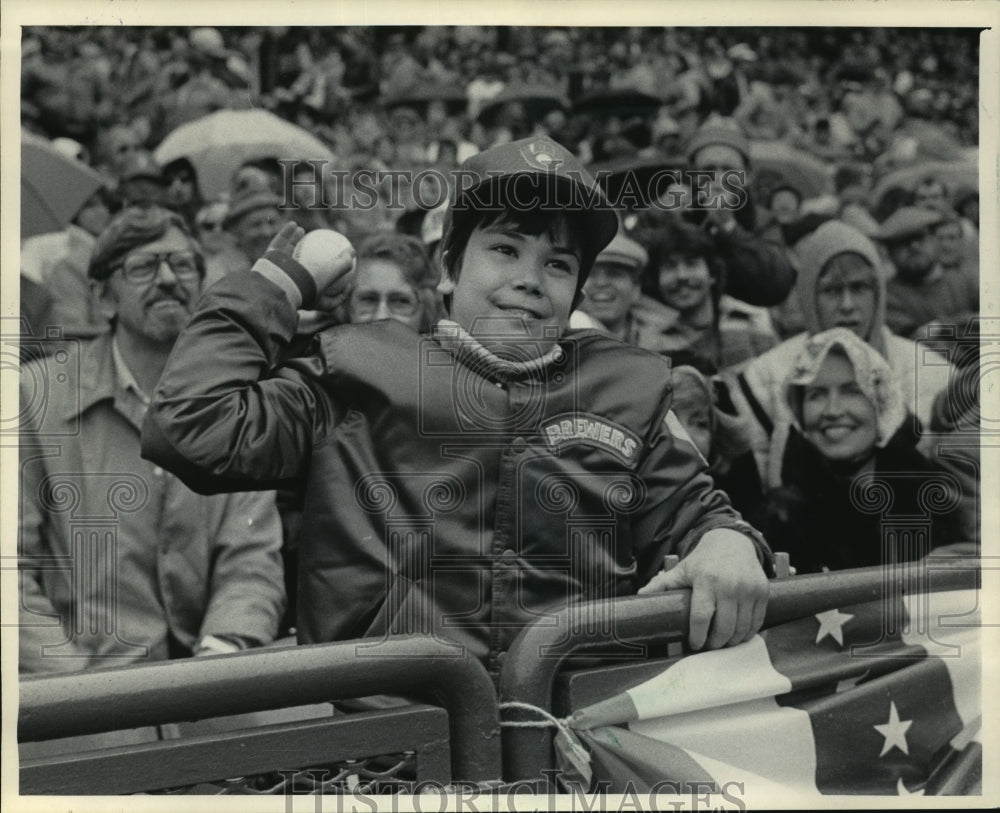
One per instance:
(777, 164)
(954, 174)
(419, 97)
(622, 102)
(536, 100)
(217, 144)
(645, 177)
(53, 186)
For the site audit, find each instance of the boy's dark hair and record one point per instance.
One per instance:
(131, 228)
(538, 184)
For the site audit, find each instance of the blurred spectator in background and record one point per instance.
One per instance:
(842, 284)
(953, 255)
(710, 330)
(55, 265)
(967, 205)
(931, 193)
(252, 221)
(922, 291)
(758, 271)
(209, 227)
(187, 574)
(181, 191)
(395, 279)
(722, 439)
(115, 147)
(849, 420)
(141, 181)
(614, 297)
(783, 203)
(210, 84)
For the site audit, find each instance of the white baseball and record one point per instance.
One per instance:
(322, 251)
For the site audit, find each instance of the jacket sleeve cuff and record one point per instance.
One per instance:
(280, 268)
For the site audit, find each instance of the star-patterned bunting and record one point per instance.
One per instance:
(894, 732)
(832, 623)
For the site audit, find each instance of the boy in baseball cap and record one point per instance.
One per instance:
(451, 480)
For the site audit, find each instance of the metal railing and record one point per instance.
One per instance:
(198, 688)
(640, 622)
(420, 668)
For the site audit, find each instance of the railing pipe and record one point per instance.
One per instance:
(541, 650)
(196, 688)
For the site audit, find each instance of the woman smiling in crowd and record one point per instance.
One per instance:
(849, 421)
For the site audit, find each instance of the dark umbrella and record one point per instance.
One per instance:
(420, 96)
(625, 102)
(536, 100)
(645, 176)
(53, 186)
(954, 174)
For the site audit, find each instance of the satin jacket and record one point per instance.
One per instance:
(447, 492)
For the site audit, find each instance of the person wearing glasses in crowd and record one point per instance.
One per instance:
(209, 223)
(183, 574)
(395, 279)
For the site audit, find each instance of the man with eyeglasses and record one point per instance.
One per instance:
(145, 569)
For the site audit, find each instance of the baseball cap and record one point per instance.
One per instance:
(564, 184)
(908, 221)
(624, 251)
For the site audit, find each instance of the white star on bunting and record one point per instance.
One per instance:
(894, 732)
(832, 623)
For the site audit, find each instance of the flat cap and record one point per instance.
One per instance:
(908, 221)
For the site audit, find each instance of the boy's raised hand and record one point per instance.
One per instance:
(329, 263)
(287, 238)
(728, 589)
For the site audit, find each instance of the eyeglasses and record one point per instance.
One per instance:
(399, 304)
(210, 225)
(142, 267)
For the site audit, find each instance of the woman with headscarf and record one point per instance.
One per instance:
(842, 283)
(848, 462)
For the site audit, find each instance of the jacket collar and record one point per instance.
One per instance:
(470, 352)
(100, 381)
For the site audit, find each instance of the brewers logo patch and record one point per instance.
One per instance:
(574, 428)
(541, 154)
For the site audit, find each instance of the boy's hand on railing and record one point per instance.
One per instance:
(728, 589)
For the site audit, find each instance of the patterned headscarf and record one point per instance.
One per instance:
(872, 373)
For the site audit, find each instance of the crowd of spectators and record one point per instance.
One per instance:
(794, 320)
